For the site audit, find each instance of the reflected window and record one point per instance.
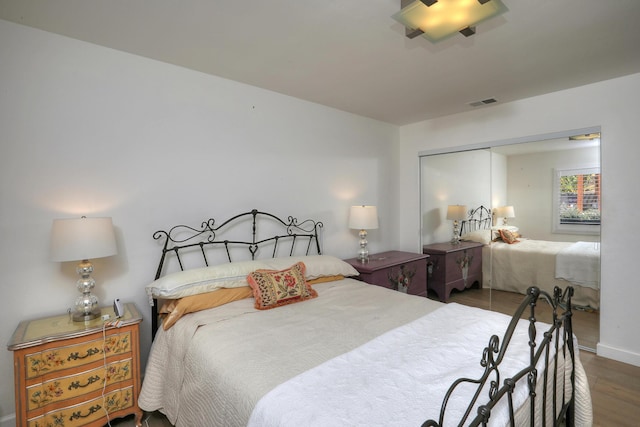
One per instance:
(577, 201)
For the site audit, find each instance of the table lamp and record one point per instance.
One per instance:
(363, 218)
(80, 239)
(456, 213)
(505, 212)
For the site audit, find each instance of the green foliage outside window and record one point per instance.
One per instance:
(575, 209)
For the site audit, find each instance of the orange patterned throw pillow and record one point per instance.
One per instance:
(508, 236)
(275, 288)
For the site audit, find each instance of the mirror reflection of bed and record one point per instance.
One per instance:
(524, 176)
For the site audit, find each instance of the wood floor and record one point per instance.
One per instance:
(615, 386)
(586, 324)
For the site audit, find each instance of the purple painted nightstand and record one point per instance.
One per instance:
(401, 271)
(453, 267)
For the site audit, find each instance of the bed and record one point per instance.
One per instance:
(348, 352)
(514, 264)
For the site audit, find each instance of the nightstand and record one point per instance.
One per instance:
(61, 366)
(401, 271)
(453, 267)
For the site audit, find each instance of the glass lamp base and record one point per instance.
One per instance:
(86, 304)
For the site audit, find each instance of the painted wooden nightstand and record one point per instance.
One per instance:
(453, 267)
(61, 366)
(402, 271)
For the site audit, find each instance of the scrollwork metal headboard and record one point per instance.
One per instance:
(478, 219)
(182, 239)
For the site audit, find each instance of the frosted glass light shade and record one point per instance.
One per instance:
(363, 217)
(78, 239)
(447, 17)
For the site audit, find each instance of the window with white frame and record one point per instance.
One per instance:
(576, 201)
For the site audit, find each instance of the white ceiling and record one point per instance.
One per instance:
(351, 55)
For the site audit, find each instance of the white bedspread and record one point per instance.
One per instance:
(580, 264)
(399, 379)
(212, 367)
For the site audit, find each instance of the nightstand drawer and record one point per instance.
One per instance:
(86, 412)
(77, 384)
(65, 357)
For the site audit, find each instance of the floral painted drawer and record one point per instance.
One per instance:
(77, 373)
(88, 412)
(67, 387)
(59, 358)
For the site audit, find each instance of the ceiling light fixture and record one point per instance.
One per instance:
(437, 20)
(585, 137)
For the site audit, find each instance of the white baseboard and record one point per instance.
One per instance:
(620, 355)
(8, 421)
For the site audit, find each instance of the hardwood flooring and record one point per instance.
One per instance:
(586, 324)
(615, 391)
(615, 386)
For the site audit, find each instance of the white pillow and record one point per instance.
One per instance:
(317, 265)
(511, 228)
(200, 280)
(479, 236)
(234, 275)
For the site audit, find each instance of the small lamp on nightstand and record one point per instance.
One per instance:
(363, 218)
(79, 239)
(456, 213)
(505, 212)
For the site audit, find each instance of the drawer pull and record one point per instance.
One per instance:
(78, 415)
(76, 355)
(90, 380)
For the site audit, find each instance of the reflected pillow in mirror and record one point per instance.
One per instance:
(479, 236)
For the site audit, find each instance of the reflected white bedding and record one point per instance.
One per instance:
(579, 263)
(527, 263)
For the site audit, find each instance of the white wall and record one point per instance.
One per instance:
(610, 104)
(91, 131)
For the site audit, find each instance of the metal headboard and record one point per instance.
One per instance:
(478, 219)
(183, 239)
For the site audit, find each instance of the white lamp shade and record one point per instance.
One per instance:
(82, 238)
(456, 212)
(363, 217)
(505, 212)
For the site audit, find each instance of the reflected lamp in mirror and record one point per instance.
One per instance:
(436, 20)
(505, 212)
(363, 218)
(456, 213)
(81, 239)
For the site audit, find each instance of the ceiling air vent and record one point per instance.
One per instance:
(483, 102)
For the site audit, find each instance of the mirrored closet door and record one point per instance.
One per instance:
(531, 216)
